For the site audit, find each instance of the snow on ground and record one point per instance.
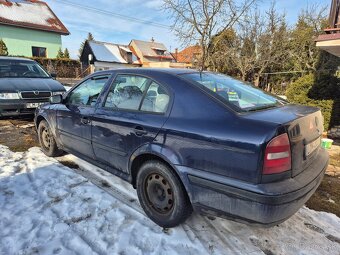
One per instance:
(48, 208)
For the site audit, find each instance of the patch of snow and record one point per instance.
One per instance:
(106, 52)
(125, 48)
(283, 97)
(67, 88)
(331, 200)
(114, 49)
(33, 13)
(48, 208)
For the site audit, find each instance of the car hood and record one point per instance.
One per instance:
(29, 84)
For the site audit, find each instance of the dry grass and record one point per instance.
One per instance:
(327, 196)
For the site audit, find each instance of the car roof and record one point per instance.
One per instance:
(15, 58)
(143, 70)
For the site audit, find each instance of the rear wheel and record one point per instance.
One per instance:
(46, 139)
(162, 194)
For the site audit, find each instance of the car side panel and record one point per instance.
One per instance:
(114, 136)
(209, 137)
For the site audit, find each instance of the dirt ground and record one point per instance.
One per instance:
(19, 135)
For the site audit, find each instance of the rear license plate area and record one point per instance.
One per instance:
(312, 146)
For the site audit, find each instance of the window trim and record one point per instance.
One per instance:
(151, 80)
(97, 77)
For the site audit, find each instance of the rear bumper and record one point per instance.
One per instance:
(18, 107)
(265, 204)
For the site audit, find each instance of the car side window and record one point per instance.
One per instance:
(156, 99)
(127, 92)
(86, 94)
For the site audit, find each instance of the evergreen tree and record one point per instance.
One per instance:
(89, 38)
(3, 48)
(66, 53)
(60, 53)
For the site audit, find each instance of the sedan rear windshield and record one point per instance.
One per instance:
(239, 95)
(21, 69)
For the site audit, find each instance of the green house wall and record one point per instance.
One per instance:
(19, 41)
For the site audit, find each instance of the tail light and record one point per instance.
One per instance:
(277, 157)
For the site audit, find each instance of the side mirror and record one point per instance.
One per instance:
(56, 99)
(53, 75)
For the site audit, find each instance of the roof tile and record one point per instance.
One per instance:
(188, 54)
(31, 14)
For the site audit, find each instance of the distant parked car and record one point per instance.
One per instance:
(189, 140)
(24, 85)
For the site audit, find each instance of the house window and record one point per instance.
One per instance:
(39, 52)
(159, 52)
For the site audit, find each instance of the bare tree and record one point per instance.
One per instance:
(257, 44)
(310, 24)
(198, 20)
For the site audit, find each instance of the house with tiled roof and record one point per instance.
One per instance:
(189, 55)
(104, 55)
(151, 53)
(330, 40)
(30, 28)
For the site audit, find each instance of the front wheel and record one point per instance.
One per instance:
(162, 195)
(46, 139)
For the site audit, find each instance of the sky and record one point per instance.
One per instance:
(109, 28)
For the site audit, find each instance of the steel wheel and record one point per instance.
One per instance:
(46, 138)
(162, 194)
(47, 141)
(159, 193)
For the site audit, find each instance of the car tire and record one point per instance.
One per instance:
(47, 141)
(162, 194)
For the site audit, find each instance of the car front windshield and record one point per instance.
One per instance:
(21, 69)
(239, 95)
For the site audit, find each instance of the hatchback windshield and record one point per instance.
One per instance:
(241, 96)
(21, 69)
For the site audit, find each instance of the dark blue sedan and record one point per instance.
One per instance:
(189, 140)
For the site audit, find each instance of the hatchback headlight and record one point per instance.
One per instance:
(9, 96)
(57, 93)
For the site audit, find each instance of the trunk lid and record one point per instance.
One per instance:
(304, 126)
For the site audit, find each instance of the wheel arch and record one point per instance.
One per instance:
(50, 119)
(39, 119)
(141, 159)
(144, 154)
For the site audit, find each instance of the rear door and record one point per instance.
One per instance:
(74, 116)
(134, 111)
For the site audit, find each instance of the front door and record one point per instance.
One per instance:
(132, 115)
(74, 117)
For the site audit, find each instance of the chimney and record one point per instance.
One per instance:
(176, 54)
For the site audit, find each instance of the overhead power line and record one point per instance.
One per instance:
(117, 15)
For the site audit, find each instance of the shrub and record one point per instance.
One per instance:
(66, 68)
(3, 48)
(312, 91)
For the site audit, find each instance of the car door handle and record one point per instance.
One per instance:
(139, 131)
(85, 120)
